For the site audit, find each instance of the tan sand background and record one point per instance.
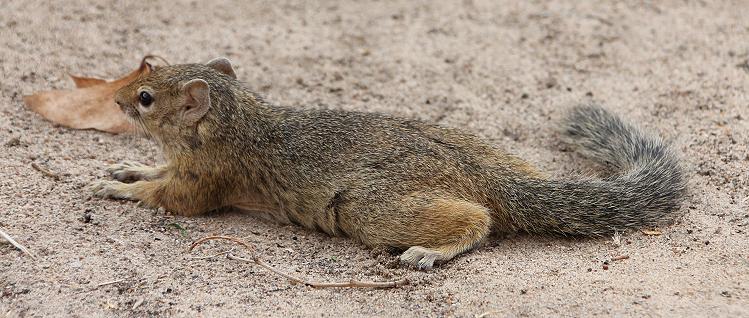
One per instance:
(505, 70)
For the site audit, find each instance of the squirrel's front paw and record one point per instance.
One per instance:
(129, 171)
(110, 189)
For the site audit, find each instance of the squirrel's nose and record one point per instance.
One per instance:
(118, 102)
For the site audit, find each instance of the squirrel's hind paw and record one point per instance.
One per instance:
(420, 257)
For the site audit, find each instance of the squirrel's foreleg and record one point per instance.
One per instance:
(130, 171)
(173, 194)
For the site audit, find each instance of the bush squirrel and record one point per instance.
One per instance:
(430, 191)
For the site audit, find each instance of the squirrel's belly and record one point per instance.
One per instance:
(323, 221)
(263, 210)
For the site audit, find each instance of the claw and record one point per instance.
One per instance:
(123, 166)
(126, 171)
(108, 189)
(420, 257)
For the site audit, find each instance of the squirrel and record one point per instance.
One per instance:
(432, 192)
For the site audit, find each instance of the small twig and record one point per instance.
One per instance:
(16, 244)
(224, 253)
(90, 289)
(110, 282)
(487, 313)
(219, 237)
(45, 171)
(256, 259)
(620, 258)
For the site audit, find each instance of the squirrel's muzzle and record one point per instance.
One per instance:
(121, 104)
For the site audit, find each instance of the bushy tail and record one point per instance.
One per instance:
(646, 186)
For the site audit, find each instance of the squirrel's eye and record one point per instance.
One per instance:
(145, 98)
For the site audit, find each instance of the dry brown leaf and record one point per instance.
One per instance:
(90, 106)
(652, 232)
(83, 82)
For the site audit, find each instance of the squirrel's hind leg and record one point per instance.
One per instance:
(440, 229)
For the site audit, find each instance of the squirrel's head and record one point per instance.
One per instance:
(169, 102)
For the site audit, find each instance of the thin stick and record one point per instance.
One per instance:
(16, 244)
(487, 313)
(619, 258)
(45, 171)
(224, 253)
(256, 259)
(219, 237)
(111, 282)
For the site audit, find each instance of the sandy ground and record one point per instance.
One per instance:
(503, 69)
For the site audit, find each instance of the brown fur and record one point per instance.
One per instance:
(435, 192)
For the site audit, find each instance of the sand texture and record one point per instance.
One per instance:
(506, 70)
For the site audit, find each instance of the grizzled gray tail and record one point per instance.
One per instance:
(645, 188)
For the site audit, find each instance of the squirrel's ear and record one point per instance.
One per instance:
(197, 100)
(222, 65)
